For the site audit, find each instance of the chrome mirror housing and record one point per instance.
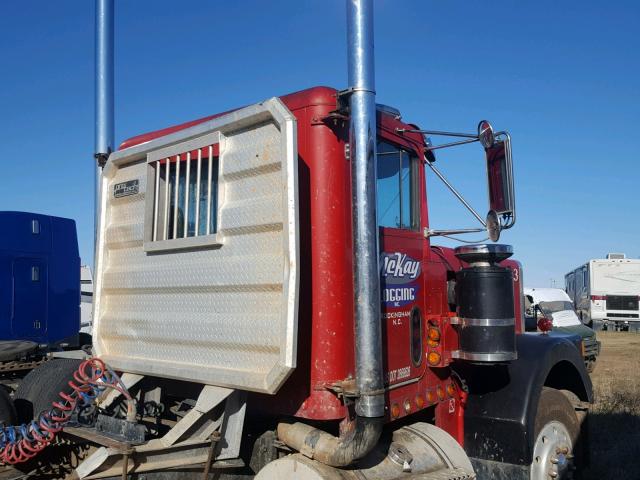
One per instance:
(500, 180)
(486, 137)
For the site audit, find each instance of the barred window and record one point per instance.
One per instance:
(182, 200)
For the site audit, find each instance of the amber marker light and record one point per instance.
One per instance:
(395, 410)
(434, 334)
(419, 401)
(430, 397)
(440, 392)
(433, 358)
(451, 390)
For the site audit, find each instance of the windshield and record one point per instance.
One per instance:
(549, 308)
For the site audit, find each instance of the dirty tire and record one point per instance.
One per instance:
(554, 405)
(84, 339)
(591, 366)
(42, 385)
(7, 410)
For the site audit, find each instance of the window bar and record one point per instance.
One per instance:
(167, 186)
(175, 209)
(155, 202)
(198, 193)
(185, 234)
(209, 190)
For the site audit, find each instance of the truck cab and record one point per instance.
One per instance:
(39, 282)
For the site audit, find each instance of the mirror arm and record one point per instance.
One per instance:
(435, 233)
(456, 193)
(452, 144)
(437, 132)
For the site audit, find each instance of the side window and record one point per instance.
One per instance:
(528, 306)
(578, 282)
(397, 188)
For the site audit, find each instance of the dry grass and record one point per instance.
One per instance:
(614, 423)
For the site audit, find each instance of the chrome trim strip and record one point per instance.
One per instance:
(484, 357)
(401, 384)
(486, 322)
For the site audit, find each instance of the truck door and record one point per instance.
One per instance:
(29, 318)
(401, 255)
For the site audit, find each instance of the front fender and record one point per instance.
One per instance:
(502, 403)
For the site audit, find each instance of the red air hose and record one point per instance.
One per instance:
(21, 443)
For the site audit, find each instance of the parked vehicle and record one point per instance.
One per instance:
(606, 292)
(251, 298)
(86, 304)
(39, 290)
(554, 304)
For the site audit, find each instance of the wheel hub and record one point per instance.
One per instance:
(552, 453)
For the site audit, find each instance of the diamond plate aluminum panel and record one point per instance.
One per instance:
(223, 314)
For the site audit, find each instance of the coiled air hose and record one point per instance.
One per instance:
(93, 377)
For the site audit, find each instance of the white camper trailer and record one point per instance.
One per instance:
(606, 291)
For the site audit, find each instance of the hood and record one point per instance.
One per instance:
(581, 330)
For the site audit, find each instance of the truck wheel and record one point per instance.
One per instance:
(42, 385)
(556, 433)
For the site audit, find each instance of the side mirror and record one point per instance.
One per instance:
(500, 180)
(497, 147)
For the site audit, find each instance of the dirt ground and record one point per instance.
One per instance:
(614, 423)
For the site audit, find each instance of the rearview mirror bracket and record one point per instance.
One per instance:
(497, 146)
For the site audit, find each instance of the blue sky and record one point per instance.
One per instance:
(562, 77)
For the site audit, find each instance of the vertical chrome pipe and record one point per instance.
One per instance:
(362, 140)
(104, 138)
(356, 442)
(104, 77)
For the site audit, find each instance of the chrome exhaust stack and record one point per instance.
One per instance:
(104, 80)
(104, 137)
(363, 436)
(366, 275)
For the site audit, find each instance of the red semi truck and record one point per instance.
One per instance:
(268, 290)
(268, 323)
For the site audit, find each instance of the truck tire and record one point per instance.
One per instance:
(7, 410)
(557, 432)
(42, 386)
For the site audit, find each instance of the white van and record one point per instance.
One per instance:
(555, 304)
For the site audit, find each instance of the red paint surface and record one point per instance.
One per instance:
(326, 328)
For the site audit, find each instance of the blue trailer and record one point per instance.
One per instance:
(39, 284)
